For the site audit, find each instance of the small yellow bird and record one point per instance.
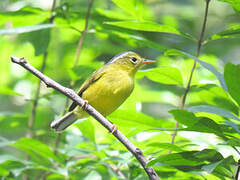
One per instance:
(106, 89)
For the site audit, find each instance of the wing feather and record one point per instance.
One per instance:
(91, 80)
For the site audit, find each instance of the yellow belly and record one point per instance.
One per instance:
(108, 93)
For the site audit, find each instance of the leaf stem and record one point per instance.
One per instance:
(199, 45)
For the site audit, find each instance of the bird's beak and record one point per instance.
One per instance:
(148, 61)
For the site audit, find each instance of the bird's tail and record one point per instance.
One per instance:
(64, 122)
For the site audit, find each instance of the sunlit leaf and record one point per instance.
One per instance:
(148, 26)
(231, 75)
(233, 125)
(188, 158)
(213, 95)
(138, 40)
(8, 91)
(168, 75)
(134, 8)
(204, 64)
(113, 14)
(25, 29)
(200, 124)
(168, 146)
(87, 129)
(234, 3)
(213, 110)
(24, 16)
(32, 145)
(210, 167)
(132, 119)
(231, 32)
(39, 39)
(81, 72)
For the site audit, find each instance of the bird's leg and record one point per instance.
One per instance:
(84, 104)
(113, 128)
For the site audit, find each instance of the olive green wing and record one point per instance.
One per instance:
(91, 80)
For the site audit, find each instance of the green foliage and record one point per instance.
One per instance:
(208, 139)
(234, 3)
(231, 75)
(168, 75)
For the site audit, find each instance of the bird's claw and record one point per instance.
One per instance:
(113, 128)
(84, 104)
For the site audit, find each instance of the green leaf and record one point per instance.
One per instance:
(130, 118)
(231, 75)
(8, 91)
(184, 117)
(87, 129)
(233, 125)
(147, 26)
(213, 95)
(113, 14)
(137, 39)
(199, 124)
(234, 3)
(3, 172)
(204, 64)
(210, 167)
(231, 32)
(39, 39)
(93, 175)
(25, 29)
(213, 110)
(127, 6)
(81, 72)
(32, 145)
(24, 16)
(168, 146)
(182, 158)
(233, 141)
(136, 9)
(188, 158)
(168, 75)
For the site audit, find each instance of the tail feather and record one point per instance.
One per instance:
(64, 122)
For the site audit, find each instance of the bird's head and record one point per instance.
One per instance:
(129, 61)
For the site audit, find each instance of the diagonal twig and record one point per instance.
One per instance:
(80, 42)
(91, 111)
(199, 45)
(32, 117)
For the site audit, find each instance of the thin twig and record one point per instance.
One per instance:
(32, 117)
(199, 45)
(91, 111)
(80, 42)
(78, 51)
(116, 169)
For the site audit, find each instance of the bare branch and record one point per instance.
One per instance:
(91, 111)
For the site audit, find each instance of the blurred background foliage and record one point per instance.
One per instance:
(207, 143)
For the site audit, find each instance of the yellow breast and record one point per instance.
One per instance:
(110, 91)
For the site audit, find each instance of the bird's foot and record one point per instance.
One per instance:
(84, 106)
(113, 128)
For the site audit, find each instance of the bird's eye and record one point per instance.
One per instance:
(134, 60)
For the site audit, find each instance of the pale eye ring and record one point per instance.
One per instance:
(134, 60)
